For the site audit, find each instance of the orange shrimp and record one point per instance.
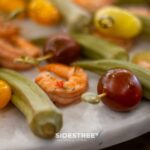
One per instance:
(15, 47)
(65, 89)
(139, 10)
(92, 5)
(25, 45)
(144, 64)
(7, 29)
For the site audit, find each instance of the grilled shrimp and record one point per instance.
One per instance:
(12, 46)
(7, 29)
(139, 10)
(15, 47)
(92, 5)
(67, 87)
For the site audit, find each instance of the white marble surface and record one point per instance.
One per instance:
(15, 133)
(113, 127)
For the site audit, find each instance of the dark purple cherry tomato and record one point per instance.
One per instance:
(63, 49)
(122, 88)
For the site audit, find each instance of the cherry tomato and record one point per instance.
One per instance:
(10, 6)
(117, 22)
(122, 88)
(63, 49)
(43, 12)
(142, 58)
(5, 94)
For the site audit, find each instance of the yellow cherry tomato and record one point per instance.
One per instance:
(10, 6)
(43, 12)
(5, 94)
(142, 58)
(117, 22)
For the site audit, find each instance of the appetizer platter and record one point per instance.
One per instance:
(73, 74)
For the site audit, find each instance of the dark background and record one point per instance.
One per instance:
(140, 143)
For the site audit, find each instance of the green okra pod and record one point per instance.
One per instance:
(101, 66)
(76, 18)
(42, 116)
(146, 26)
(99, 48)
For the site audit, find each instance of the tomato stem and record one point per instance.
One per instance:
(13, 15)
(101, 95)
(45, 57)
(106, 22)
(92, 98)
(31, 60)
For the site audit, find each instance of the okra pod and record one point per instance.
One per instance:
(101, 66)
(42, 116)
(99, 48)
(146, 26)
(76, 17)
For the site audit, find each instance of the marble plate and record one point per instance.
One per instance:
(109, 127)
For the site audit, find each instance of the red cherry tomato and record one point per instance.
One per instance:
(122, 88)
(63, 48)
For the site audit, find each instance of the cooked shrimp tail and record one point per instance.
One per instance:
(67, 87)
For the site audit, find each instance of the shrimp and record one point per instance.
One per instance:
(67, 87)
(92, 5)
(13, 48)
(7, 29)
(139, 10)
(26, 46)
(144, 64)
